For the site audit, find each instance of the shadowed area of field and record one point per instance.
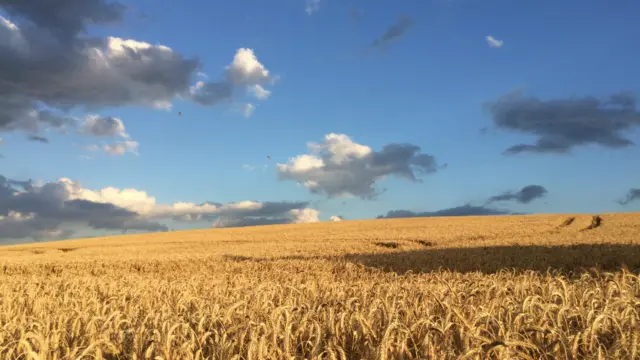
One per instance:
(607, 257)
(572, 259)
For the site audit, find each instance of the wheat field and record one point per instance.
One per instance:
(512, 287)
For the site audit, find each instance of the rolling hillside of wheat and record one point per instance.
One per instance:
(513, 287)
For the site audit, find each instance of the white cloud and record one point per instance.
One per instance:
(247, 70)
(336, 218)
(340, 167)
(260, 92)
(494, 43)
(304, 216)
(121, 147)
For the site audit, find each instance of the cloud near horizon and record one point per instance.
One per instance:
(340, 167)
(463, 210)
(53, 209)
(631, 196)
(524, 196)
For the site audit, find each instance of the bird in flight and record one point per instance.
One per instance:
(180, 113)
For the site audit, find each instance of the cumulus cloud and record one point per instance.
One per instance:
(524, 196)
(464, 210)
(632, 195)
(493, 42)
(245, 71)
(563, 124)
(49, 66)
(336, 218)
(103, 126)
(108, 127)
(340, 167)
(34, 210)
(394, 32)
(37, 210)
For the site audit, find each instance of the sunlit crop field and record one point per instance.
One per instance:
(514, 287)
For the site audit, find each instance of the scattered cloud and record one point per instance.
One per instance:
(394, 32)
(524, 196)
(632, 195)
(260, 92)
(464, 210)
(312, 6)
(50, 66)
(121, 147)
(494, 43)
(102, 126)
(41, 210)
(563, 124)
(336, 218)
(245, 71)
(36, 138)
(108, 127)
(340, 167)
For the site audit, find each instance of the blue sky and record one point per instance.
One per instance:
(428, 87)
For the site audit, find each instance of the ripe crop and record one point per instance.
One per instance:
(513, 287)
